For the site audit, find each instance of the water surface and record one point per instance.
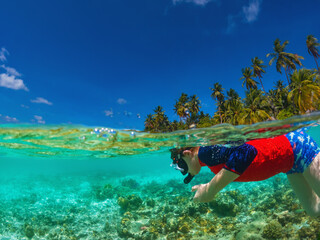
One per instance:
(79, 182)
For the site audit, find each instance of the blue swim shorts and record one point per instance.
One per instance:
(305, 149)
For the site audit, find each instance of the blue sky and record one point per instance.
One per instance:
(108, 62)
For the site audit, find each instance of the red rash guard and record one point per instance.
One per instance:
(274, 155)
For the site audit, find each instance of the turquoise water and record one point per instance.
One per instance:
(77, 182)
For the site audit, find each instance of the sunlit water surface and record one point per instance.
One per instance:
(78, 182)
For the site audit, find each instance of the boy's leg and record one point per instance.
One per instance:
(307, 197)
(312, 174)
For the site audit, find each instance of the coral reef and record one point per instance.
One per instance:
(273, 230)
(130, 183)
(97, 207)
(131, 202)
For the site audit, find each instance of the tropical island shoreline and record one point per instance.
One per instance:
(301, 95)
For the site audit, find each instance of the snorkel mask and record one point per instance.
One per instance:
(179, 164)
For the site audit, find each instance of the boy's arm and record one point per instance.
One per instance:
(206, 192)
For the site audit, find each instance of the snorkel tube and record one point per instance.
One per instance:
(188, 178)
(179, 164)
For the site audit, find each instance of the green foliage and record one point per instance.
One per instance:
(304, 90)
(285, 60)
(204, 120)
(284, 114)
(248, 78)
(312, 45)
(301, 95)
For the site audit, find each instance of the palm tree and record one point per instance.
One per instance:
(255, 107)
(279, 86)
(204, 120)
(180, 108)
(248, 80)
(194, 107)
(281, 94)
(232, 95)
(234, 111)
(149, 123)
(312, 45)
(258, 69)
(217, 94)
(305, 92)
(174, 126)
(161, 121)
(233, 107)
(288, 61)
(279, 98)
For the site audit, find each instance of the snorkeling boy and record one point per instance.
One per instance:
(294, 153)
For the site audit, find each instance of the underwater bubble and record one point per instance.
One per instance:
(82, 138)
(133, 134)
(112, 131)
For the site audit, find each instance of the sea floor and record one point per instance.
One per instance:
(98, 206)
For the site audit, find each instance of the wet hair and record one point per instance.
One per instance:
(176, 156)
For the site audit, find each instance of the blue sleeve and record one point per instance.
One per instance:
(213, 155)
(241, 158)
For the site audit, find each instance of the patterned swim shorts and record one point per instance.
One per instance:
(305, 149)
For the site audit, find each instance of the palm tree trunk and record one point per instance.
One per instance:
(268, 99)
(317, 64)
(262, 85)
(294, 106)
(285, 69)
(220, 114)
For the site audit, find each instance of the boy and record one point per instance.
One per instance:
(294, 153)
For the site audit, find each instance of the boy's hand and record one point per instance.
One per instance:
(202, 194)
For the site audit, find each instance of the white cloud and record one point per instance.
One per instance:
(24, 106)
(11, 71)
(41, 100)
(39, 119)
(196, 2)
(10, 81)
(121, 101)
(3, 53)
(251, 12)
(109, 113)
(9, 119)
